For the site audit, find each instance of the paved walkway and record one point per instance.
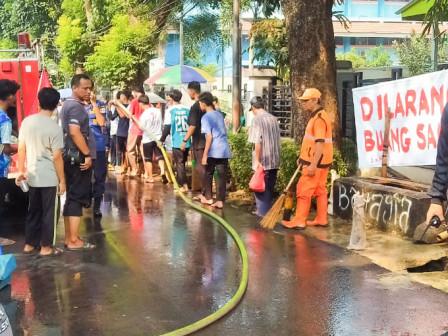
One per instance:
(160, 266)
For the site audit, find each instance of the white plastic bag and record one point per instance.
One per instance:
(358, 240)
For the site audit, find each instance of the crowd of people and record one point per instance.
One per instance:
(126, 135)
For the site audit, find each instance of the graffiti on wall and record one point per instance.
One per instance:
(385, 210)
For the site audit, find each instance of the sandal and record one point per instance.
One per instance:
(86, 246)
(214, 205)
(33, 251)
(55, 252)
(201, 199)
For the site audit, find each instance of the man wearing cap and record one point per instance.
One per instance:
(264, 133)
(316, 157)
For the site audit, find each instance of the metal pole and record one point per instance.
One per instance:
(181, 40)
(236, 42)
(222, 64)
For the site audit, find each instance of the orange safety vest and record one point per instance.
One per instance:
(309, 141)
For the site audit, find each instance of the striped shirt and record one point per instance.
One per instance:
(265, 130)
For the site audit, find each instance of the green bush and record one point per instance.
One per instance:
(241, 162)
(288, 163)
(349, 153)
(344, 161)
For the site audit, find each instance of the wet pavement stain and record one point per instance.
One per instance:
(160, 265)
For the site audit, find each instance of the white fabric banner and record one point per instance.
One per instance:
(416, 106)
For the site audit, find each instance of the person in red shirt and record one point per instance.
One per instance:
(134, 143)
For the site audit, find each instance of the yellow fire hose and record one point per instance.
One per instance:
(224, 310)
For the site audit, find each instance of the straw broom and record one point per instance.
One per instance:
(269, 221)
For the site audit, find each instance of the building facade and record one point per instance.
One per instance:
(373, 23)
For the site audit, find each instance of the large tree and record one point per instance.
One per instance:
(312, 57)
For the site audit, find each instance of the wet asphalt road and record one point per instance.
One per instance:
(160, 265)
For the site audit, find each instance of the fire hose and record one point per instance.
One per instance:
(233, 302)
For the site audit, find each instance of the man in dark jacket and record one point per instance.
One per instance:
(440, 182)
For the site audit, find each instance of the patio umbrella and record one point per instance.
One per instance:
(154, 99)
(179, 74)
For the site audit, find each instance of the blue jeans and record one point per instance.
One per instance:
(264, 199)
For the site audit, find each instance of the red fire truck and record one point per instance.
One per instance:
(25, 70)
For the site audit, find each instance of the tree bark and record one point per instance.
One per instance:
(312, 58)
(79, 64)
(89, 14)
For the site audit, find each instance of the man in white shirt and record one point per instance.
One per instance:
(151, 121)
(40, 147)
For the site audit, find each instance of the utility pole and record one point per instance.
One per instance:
(236, 41)
(222, 64)
(181, 39)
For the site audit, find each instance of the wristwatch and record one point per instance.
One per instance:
(185, 141)
(88, 155)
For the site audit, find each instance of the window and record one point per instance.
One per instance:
(362, 40)
(374, 41)
(338, 40)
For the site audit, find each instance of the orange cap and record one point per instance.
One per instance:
(311, 94)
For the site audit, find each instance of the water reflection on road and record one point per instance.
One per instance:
(160, 265)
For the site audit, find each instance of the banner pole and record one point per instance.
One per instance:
(385, 144)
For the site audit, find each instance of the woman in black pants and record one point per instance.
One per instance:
(217, 151)
(122, 130)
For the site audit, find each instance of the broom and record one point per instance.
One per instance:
(269, 221)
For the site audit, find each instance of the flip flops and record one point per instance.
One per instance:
(33, 251)
(55, 252)
(214, 205)
(87, 246)
(200, 199)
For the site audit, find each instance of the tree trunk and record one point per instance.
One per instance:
(79, 65)
(89, 14)
(312, 58)
(162, 14)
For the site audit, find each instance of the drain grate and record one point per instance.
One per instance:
(438, 265)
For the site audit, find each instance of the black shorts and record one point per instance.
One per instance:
(121, 144)
(150, 149)
(79, 189)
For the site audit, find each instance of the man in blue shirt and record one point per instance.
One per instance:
(176, 123)
(8, 90)
(97, 120)
(217, 151)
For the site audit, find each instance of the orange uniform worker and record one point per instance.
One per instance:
(316, 156)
